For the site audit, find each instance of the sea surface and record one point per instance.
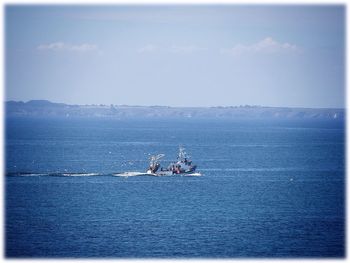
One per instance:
(270, 189)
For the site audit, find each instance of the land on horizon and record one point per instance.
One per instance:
(45, 108)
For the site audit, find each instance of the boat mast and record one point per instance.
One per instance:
(182, 154)
(155, 159)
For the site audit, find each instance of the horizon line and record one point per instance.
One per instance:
(167, 106)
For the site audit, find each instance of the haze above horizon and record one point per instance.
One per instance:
(177, 55)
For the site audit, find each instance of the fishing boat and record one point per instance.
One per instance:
(183, 165)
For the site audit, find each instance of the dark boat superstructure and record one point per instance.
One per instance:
(183, 165)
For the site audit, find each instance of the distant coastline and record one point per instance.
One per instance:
(45, 108)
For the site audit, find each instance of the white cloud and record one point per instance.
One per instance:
(148, 49)
(61, 46)
(267, 45)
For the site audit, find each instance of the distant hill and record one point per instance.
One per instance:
(44, 108)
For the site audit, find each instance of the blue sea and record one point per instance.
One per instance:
(269, 189)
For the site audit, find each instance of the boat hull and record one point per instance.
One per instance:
(171, 173)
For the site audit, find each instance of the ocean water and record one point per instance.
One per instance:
(270, 189)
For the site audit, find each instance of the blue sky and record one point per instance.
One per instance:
(201, 55)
